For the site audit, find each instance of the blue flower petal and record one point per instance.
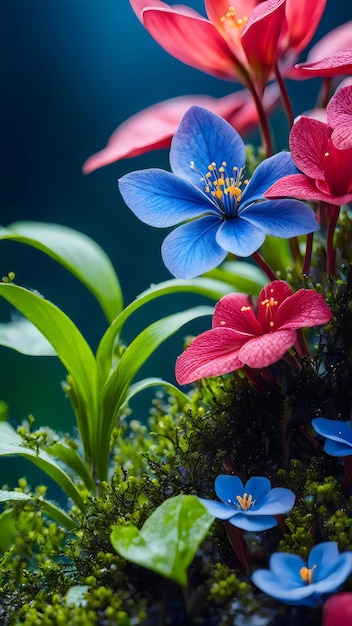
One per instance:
(217, 509)
(161, 199)
(266, 174)
(239, 237)
(278, 500)
(258, 487)
(228, 487)
(334, 429)
(280, 218)
(334, 448)
(191, 249)
(286, 567)
(254, 524)
(203, 138)
(323, 556)
(338, 574)
(276, 587)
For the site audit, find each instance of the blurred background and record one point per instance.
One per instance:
(71, 72)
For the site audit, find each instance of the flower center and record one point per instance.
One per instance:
(306, 574)
(226, 190)
(231, 19)
(270, 304)
(245, 502)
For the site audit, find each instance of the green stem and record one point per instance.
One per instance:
(330, 250)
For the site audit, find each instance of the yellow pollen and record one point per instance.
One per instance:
(269, 302)
(306, 574)
(245, 501)
(245, 308)
(231, 19)
(222, 323)
(271, 323)
(327, 154)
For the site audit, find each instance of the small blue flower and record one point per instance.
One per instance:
(292, 581)
(250, 507)
(338, 435)
(224, 212)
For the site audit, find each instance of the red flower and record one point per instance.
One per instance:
(154, 127)
(337, 610)
(331, 56)
(240, 336)
(319, 152)
(241, 42)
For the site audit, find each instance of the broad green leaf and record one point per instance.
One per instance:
(11, 444)
(79, 254)
(70, 346)
(7, 530)
(169, 539)
(244, 277)
(51, 509)
(207, 287)
(116, 388)
(146, 383)
(21, 335)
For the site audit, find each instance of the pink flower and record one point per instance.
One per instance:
(320, 152)
(154, 127)
(241, 42)
(240, 336)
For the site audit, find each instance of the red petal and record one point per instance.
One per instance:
(308, 143)
(217, 9)
(260, 38)
(212, 353)
(267, 349)
(235, 311)
(300, 27)
(154, 127)
(304, 188)
(192, 40)
(340, 63)
(139, 5)
(304, 308)
(337, 610)
(339, 109)
(338, 171)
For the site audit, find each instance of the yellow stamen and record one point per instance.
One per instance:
(231, 19)
(306, 574)
(245, 308)
(245, 501)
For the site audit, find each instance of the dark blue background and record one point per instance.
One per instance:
(72, 70)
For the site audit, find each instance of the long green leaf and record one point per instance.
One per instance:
(147, 383)
(70, 346)
(72, 459)
(208, 287)
(116, 388)
(21, 335)
(12, 444)
(79, 254)
(243, 276)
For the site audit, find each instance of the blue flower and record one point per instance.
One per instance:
(292, 581)
(338, 435)
(250, 507)
(224, 212)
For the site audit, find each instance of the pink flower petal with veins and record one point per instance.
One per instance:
(267, 349)
(336, 65)
(308, 142)
(339, 117)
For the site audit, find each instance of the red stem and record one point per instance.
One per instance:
(263, 122)
(308, 255)
(264, 265)
(285, 97)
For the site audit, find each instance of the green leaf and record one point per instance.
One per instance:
(7, 530)
(244, 277)
(146, 383)
(79, 254)
(12, 444)
(116, 388)
(207, 287)
(71, 348)
(169, 539)
(51, 509)
(21, 335)
(72, 459)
